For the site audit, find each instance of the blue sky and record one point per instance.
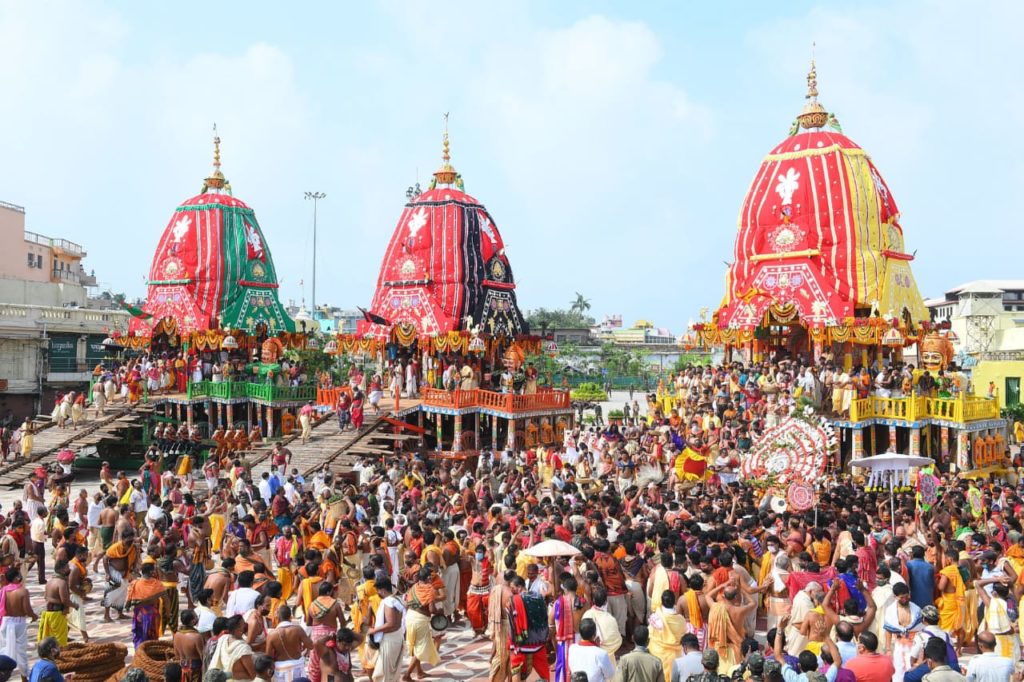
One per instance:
(612, 142)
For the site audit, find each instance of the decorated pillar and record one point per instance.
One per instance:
(858, 443)
(209, 416)
(963, 458)
(270, 422)
(248, 416)
(511, 442)
(419, 423)
(437, 430)
(915, 442)
(944, 443)
(847, 360)
(189, 415)
(476, 432)
(231, 416)
(218, 416)
(177, 412)
(892, 437)
(457, 434)
(494, 432)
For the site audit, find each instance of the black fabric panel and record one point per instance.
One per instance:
(473, 267)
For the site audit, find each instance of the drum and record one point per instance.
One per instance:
(439, 622)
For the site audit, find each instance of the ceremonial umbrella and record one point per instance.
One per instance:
(890, 468)
(551, 548)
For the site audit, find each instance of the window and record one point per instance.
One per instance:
(1012, 391)
(39, 261)
(54, 263)
(31, 260)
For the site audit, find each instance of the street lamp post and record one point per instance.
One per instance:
(315, 196)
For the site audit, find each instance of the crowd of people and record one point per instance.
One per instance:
(282, 577)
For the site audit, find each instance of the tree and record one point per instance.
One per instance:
(581, 305)
(543, 319)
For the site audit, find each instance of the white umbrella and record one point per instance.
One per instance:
(891, 461)
(551, 548)
(891, 467)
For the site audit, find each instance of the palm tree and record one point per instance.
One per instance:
(581, 305)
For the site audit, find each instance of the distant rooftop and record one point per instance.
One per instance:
(989, 285)
(12, 207)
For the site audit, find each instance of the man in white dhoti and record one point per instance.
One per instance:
(388, 634)
(286, 644)
(15, 611)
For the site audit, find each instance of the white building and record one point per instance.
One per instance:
(49, 339)
(987, 320)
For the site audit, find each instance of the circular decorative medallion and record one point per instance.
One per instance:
(173, 269)
(498, 270)
(800, 496)
(258, 271)
(408, 267)
(797, 449)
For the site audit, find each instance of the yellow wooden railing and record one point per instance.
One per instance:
(962, 409)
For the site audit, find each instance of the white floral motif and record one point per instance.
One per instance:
(416, 223)
(787, 185)
(180, 228)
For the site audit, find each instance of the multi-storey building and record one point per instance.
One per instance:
(50, 339)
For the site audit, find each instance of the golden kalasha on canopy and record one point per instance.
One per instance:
(820, 257)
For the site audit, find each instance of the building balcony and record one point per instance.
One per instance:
(491, 401)
(245, 390)
(960, 410)
(65, 276)
(33, 318)
(58, 245)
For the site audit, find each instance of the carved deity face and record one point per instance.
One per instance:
(936, 352)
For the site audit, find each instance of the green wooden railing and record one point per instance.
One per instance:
(230, 390)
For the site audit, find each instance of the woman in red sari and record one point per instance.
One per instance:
(356, 408)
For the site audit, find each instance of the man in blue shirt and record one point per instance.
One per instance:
(921, 578)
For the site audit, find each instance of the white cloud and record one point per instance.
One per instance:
(107, 145)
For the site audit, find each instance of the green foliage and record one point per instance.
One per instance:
(624, 361)
(542, 319)
(1013, 412)
(580, 304)
(315, 361)
(691, 359)
(588, 392)
(616, 414)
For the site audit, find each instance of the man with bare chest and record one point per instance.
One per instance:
(79, 586)
(14, 626)
(325, 615)
(107, 522)
(188, 647)
(220, 581)
(54, 620)
(286, 644)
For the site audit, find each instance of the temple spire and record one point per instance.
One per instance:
(813, 115)
(446, 174)
(216, 179)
